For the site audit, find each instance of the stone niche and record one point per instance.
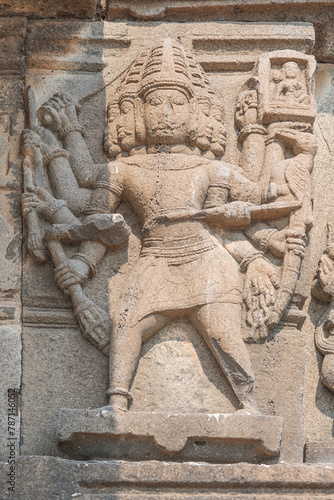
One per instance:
(177, 189)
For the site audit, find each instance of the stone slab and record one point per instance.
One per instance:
(81, 46)
(10, 380)
(145, 9)
(41, 478)
(62, 8)
(60, 368)
(154, 435)
(319, 451)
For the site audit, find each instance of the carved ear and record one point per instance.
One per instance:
(139, 122)
(192, 127)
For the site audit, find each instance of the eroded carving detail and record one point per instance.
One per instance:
(204, 222)
(323, 290)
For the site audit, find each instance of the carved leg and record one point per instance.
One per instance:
(125, 347)
(219, 325)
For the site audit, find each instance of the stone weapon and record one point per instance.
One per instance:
(268, 211)
(30, 161)
(108, 228)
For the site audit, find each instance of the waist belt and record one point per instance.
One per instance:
(176, 247)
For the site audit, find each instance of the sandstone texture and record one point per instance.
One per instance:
(167, 249)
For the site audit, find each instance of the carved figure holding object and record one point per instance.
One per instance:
(166, 169)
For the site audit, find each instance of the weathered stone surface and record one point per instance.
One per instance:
(92, 434)
(48, 477)
(318, 401)
(10, 383)
(246, 93)
(144, 9)
(63, 8)
(64, 370)
(319, 451)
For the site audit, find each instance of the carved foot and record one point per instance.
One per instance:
(249, 407)
(249, 410)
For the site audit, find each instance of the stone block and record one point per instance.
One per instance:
(319, 451)
(60, 369)
(51, 477)
(100, 433)
(10, 383)
(84, 9)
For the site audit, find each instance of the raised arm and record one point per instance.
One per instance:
(59, 115)
(63, 182)
(105, 198)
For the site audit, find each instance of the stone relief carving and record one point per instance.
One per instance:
(323, 290)
(206, 224)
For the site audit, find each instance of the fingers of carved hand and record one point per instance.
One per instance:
(326, 266)
(29, 202)
(68, 101)
(65, 276)
(238, 211)
(49, 115)
(44, 195)
(30, 138)
(70, 273)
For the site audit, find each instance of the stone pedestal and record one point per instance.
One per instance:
(225, 438)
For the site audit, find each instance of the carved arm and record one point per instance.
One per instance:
(59, 114)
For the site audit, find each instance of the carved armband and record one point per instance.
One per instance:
(252, 128)
(119, 391)
(108, 185)
(76, 128)
(55, 207)
(58, 153)
(265, 239)
(90, 263)
(248, 259)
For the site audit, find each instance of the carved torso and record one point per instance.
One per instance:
(160, 183)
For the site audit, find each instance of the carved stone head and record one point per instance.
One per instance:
(110, 141)
(164, 99)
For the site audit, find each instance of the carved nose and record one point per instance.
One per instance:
(167, 110)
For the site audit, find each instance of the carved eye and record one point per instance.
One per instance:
(125, 108)
(177, 102)
(154, 102)
(112, 117)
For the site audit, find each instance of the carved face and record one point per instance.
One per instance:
(219, 133)
(290, 69)
(126, 125)
(166, 117)
(205, 126)
(110, 133)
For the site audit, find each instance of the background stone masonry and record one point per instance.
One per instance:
(59, 46)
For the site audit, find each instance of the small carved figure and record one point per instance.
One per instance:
(290, 89)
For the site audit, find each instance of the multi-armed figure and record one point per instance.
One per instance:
(165, 133)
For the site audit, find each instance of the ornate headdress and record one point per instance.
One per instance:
(167, 65)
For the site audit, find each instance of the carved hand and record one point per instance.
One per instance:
(246, 109)
(36, 199)
(73, 272)
(43, 139)
(276, 243)
(299, 141)
(236, 214)
(59, 113)
(326, 273)
(259, 292)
